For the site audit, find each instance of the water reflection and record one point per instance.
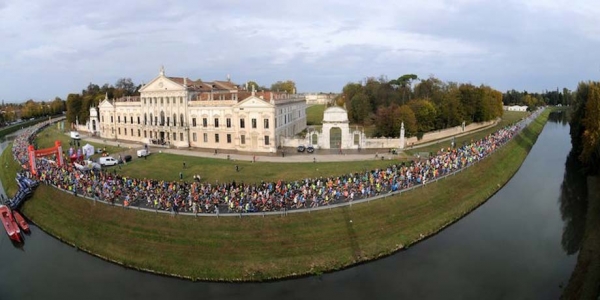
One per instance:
(573, 204)
(559, 116)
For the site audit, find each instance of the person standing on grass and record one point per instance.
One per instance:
(184, 165)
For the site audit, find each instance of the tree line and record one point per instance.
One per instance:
(78, 105)
(421, 104)
(11, 112)
(585, 125)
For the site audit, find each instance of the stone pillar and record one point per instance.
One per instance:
(402, 136)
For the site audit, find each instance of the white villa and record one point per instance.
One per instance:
(181, 112)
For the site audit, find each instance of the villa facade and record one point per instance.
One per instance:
(180, 112)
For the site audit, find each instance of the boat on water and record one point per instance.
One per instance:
(12, 229)
(21, 221)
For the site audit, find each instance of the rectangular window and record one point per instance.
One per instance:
(216, 122)
(194, 136)
(168, 121)
(131, 131)
(204, 122)
(243, 139)
(145, 134)
(193, 122)
(112, 119)
(131, 120)
(118, 119)
(242, 123)
(266, 123)
(228, 138)
(181, 136)
(266, 140)
(228, 122)
(180, 100)
(119, 130)
(216, 137)
(174, 136)
(206, 137)
(138, 120)
(253, 123)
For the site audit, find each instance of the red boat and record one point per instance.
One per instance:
(12, 229)
(21, 221)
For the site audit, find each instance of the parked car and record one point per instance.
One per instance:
(301, 148)
(310, 149)
(126, 158)
(143, 152)
(107, 161)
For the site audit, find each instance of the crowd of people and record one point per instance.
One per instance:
(237, 197)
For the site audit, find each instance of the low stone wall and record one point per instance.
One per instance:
(440, 134)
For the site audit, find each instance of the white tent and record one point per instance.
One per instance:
(88, 150)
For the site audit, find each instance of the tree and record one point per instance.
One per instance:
(284, 86)
(425, 113)
(590, 152)
(125, 86)
(359, 108)
(252, 84)
(404, 84)
(74, 103)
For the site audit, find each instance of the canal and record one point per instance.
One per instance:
(509, 248)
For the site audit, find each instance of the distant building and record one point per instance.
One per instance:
(180, 112)
(515, 108)
(320, 98)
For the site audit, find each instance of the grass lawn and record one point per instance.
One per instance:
(256, 248)
(314, 114)
(50, 134)
(508, 118)
(9, 169)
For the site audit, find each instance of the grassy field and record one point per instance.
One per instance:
(508, 118)
(9, 170)
(314, 114)
(255, 248)
(48, 136)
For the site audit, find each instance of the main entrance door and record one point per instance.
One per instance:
(335, 138)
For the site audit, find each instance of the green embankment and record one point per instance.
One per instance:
(256, 248)
(10, 167)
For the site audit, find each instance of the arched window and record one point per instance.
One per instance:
(162, 118)
(151, 119)
(174, 119)
(145, 119)
(181, 119)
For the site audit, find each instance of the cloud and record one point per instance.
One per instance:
(321, 45)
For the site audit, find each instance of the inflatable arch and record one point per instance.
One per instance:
(57, 150)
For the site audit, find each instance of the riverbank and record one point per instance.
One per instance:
(274, 247)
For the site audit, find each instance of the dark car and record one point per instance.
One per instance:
(126, 158)
(310, 149)
(301, 148)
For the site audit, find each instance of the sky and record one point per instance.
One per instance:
(51, 48)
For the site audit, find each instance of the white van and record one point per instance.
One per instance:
(75, 135)
(143, 152)
(107, 161)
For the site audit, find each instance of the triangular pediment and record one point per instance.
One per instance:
(254, 102)
(162, 83)
(105, 104)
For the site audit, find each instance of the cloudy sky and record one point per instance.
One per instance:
(51, 48)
